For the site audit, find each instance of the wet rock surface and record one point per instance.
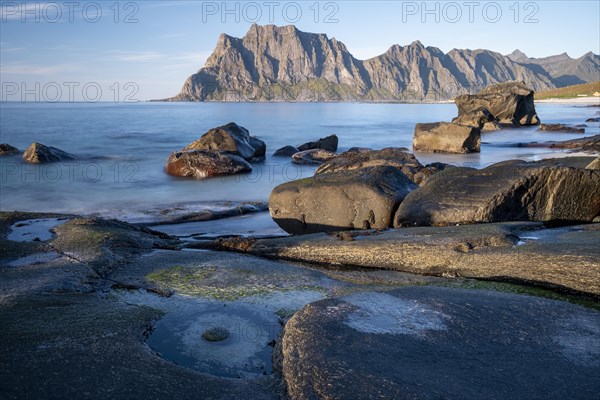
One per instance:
(122, 309)
(561, 258)
(201, 164)
(431, 343)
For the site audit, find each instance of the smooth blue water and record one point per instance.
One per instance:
(123, 147)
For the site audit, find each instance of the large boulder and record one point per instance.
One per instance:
(233, 139)
(440, 343)
(361, 158)
(358, 199)
(446, 137)
(313, 156)
(509, 102)
(8, 150)
(508, 191)
(329, 143)
(202, 164)
(38, 153)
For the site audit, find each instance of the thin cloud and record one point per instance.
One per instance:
(30, 69)
(12, 49)
(157, 57)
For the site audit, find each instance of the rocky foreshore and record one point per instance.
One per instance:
(395, 279)
(82, 302)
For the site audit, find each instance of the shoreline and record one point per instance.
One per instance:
(573, 100)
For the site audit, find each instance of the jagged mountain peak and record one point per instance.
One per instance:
(517, 56)
(273, 62)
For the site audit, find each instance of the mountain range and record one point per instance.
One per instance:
(272, 63)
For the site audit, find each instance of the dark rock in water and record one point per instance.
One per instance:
(476, 118)
(202, 164)
(508, 191)
(313, 156)
(358, 199)
(590, 143)
(233, 139)
(39, 154)
(440, 343)
(592, 120)
(329, 143)
(446, 137)
(286, 151)
(216, 334)
(421, 177)
(391, 157)
(510, 103)
(8, 150)
(560, 128)
(581, 126)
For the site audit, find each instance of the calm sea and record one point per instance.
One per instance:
(122, 148)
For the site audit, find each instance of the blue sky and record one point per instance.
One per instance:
(59, 50)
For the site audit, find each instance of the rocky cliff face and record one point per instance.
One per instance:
(273, 63)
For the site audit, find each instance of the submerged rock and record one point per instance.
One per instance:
(434, 342)
(446, 137)
(560, 128)
(233, 139)
(8, 150)
(201, 164)
(38, 153)
(592, 120)
(329, 143)
(314, 156)
(216, 334)
(590, 143)
(286, 151)
(510, 103)
(358, 199)
(508, 191)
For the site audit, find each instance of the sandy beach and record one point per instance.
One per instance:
(576, 100)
